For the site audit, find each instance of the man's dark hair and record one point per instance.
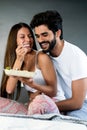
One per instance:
(50, 18)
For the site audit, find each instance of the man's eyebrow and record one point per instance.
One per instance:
(41, 33)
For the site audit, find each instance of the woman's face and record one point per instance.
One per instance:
(25, 38)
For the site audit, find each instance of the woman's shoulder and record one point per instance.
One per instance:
(41, 53)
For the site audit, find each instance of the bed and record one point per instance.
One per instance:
(40, 122)
(13, 116)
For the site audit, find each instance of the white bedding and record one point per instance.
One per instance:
(40, 122)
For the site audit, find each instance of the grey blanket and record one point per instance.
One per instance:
(51, 117)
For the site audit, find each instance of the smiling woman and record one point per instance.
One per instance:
(16, 56)
(22, 58)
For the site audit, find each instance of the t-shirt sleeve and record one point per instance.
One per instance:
(79, 66)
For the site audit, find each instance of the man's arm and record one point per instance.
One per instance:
(79, 90)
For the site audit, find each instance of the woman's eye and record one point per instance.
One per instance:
(21, 37)
(30, 36)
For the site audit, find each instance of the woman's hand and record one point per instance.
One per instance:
(28, 81)
(21, 52)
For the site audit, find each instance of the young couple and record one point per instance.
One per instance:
(69, 90)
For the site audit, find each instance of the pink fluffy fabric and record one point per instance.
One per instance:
(12, 107)
(42, 104)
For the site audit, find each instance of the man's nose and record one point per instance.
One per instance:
(40, 39)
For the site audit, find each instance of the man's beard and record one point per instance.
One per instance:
(51, 45)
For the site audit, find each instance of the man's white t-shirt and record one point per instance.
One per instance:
(70, 65)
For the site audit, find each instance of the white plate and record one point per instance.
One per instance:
(20, 73)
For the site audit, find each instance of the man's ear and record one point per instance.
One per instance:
(58, 33)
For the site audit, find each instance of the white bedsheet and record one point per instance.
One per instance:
(17, 122)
